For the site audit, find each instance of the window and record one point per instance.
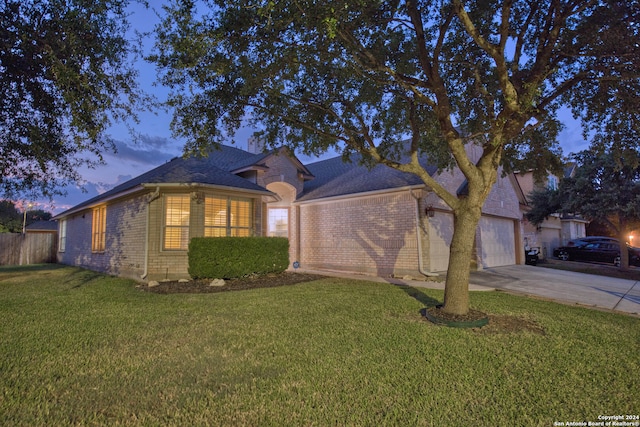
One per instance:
(278, 223)
(227, 216)
(62, 242)
(99, 229)
(552, 182)
(176, 223)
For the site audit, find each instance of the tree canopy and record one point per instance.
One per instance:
(361, 76)
(65, 75)
(11, 219)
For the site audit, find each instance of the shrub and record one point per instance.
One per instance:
(231, 257)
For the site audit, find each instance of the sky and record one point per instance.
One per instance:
(156, 145)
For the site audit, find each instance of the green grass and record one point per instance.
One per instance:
(79, 348)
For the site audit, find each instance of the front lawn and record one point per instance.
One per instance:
(80, 348)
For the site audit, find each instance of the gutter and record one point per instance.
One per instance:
(421, 268)
(211, 186)
(351, 196)
(97, 201)
(152, 197)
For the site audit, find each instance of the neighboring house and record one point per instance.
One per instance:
(337, 216)
(557, 229)
(50, 227)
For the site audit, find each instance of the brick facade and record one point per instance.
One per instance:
(368, 234)
(132, 250)
(125, 239)
(376, 234)
(373, 233)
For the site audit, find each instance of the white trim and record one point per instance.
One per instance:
(250, 168)
(366, 194)
(212, 186)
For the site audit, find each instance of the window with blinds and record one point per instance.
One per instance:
(228, 216)
(99, 229)
(176, 223)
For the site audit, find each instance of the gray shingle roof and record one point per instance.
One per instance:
(335, 177)
(43, 226)
(213, 170)
(332, 177)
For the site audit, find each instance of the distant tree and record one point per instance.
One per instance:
(10, 217)
(362, 76)
(605, 188)
(543, 202)
(36, 215)
(65, 74)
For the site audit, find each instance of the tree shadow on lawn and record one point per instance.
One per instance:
(82, 278)
(419, 296)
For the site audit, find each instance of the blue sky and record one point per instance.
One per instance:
(156, 145)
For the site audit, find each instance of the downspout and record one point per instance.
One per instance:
(298, 214)
(153, 197)
(421, 268)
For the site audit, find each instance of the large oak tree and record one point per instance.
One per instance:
(362, 75)
(66, 74)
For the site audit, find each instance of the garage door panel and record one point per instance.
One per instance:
(497, 242)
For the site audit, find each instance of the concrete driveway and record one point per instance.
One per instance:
(564, 286)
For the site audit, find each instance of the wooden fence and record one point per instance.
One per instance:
(30, 248)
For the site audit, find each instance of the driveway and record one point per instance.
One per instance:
(565, 286)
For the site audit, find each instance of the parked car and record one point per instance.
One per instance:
(581, 241)
(597, 249)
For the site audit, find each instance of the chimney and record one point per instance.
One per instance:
(255, 145)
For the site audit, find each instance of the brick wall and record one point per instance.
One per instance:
(124, 244)
(377, 234)
(368, 235)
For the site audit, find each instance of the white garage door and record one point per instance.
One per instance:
(498, 242)
(440, 234)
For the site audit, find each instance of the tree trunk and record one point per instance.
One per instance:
(456, 291)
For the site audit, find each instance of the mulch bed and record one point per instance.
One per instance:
(251, 282)
(497, 324)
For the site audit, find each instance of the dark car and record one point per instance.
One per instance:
(598, 250)
(581, 241)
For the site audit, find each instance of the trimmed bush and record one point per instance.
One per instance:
(232, 257)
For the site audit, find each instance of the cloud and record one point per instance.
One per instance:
(146, 150)
(103, 187)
